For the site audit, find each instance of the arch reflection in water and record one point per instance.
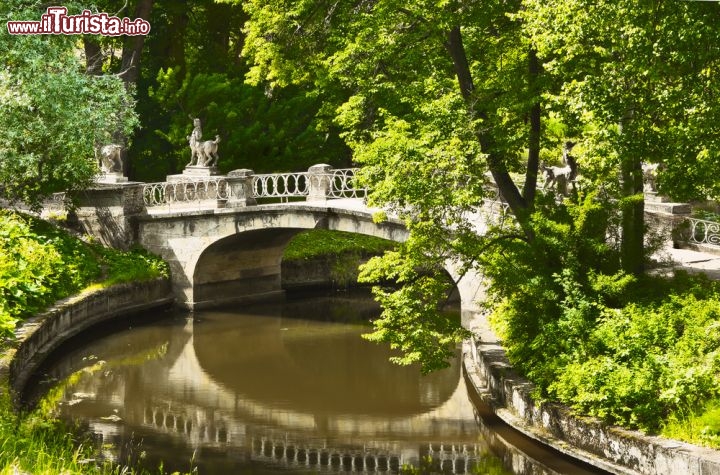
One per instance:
(265, 389)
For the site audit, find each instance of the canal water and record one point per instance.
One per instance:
(283, 388)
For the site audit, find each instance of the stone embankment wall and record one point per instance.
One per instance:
(38, 336)
(324, 272)
(610, 448)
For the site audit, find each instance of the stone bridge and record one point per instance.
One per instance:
(224, 236)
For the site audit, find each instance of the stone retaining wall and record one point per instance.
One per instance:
(610, 448)
(38, 336)
(323, 272)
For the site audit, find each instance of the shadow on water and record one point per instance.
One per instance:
(283, 388)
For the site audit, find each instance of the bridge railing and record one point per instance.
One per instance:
(281, 185)
(244, 188)
(343, 184)
(186, 191)
(702, 231)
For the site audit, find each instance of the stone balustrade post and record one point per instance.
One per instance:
(107, 212)
(240, 184)
(320, 182)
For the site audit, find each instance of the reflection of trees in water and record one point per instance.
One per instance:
(314, 366)
(161, 403)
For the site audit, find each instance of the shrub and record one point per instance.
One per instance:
(40, 264)
(630, 350)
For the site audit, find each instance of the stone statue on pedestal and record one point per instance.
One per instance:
(649, 171)
(110, 163)
(202, 154)
(110, 160)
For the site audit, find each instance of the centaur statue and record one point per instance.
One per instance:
(202, 154)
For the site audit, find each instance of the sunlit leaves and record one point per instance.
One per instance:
(52, 115)
(652, 66)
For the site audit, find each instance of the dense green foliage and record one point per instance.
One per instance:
(446, 94)
(52, 115)
(630, 350)
(192, 67)
(318, 242)
(40, 264)
(432, 98)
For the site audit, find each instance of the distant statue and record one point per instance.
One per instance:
(560, 177)
(110, 160)
(202, 154)
(649, 172)
(194, 139)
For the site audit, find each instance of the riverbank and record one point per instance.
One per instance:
(36, 442)
(319, 258)
(614, 449)
(53, 286)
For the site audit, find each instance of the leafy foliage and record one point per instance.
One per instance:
(630, 350)
(193, 68)
(52, 114)
(264, 134)
(40, 264)
(412, 319)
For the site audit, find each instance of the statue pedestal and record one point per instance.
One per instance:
(194, 172)
(111, 178)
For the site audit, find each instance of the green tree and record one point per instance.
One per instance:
(192, 68)
(440, 94)
(432, 97)
(639, 81)
(52, 114)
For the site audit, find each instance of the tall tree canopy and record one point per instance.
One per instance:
(431, 98)
(192, 67)
(639, 84)
(434, 96)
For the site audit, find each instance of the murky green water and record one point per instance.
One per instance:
(279, 388)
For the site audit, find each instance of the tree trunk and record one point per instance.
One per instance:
(130, 72)
(93, 56)
(508, 190)
(632, 245)
(133, 46)
(533, 163)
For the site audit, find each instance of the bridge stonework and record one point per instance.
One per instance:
(222, 247)
(234, 255)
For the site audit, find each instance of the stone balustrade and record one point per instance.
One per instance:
(244, 187)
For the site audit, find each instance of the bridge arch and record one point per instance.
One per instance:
(234, 255)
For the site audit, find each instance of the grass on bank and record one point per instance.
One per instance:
(342, 252)
(316, 243)
(39, 265)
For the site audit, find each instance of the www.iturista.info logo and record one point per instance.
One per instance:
(56, 21)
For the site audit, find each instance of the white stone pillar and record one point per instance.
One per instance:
(240, 188)
(320, 182)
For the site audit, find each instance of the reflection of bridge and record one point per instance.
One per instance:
(293, 450)
(224, 247)
(189, 406)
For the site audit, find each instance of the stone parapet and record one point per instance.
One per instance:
(107, 211)
(39, 335)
